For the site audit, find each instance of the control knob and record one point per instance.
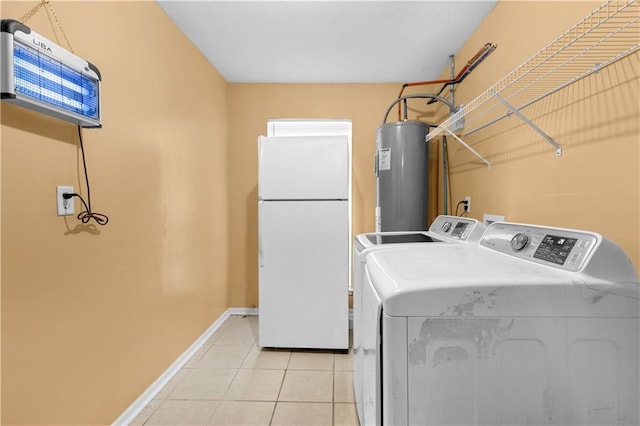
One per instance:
(519, 241)
(446, 226)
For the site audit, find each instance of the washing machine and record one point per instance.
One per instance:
(531, 325)
(443, 230)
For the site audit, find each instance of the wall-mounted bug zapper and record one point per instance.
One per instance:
(38, 74)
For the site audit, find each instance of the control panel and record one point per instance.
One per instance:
(564, 248)
(459, 228)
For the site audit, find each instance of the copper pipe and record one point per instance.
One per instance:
(472, 63)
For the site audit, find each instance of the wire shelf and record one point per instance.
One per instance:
(608, 34)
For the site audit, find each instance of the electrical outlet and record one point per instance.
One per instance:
(468, 200)
(65, 207)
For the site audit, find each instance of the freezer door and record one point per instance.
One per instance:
(310, 167)
(303, 274)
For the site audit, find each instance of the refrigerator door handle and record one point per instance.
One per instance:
(260, 227)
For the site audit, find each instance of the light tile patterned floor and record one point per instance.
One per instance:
(231, 381)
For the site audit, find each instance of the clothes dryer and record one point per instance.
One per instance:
(532, 325)
(444, 230)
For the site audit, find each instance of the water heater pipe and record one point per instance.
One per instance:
(473, 62)
(418, 95)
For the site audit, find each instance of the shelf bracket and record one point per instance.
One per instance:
(530, 123)
(464, 144)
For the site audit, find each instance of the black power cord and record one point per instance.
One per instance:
(86, 215)
(464, 211)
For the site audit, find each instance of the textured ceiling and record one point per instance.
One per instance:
(328, 41)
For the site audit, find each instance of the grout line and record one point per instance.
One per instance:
(273, 412)
(160, 402)
(333, 394)
(284, 375)
(214, 411)
(230, 383)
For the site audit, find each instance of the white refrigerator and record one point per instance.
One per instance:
(303, 242)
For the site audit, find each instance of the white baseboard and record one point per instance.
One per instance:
(241, 311)
(143, 400)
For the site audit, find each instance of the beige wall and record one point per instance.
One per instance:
(90, 319)
(92, 315)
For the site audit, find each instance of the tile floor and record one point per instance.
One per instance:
(231, 381)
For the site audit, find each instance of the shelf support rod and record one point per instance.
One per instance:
(530, 123)
(464, 144)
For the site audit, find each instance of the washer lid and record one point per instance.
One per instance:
(444, 228)
(384, 238)
(470, 280)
